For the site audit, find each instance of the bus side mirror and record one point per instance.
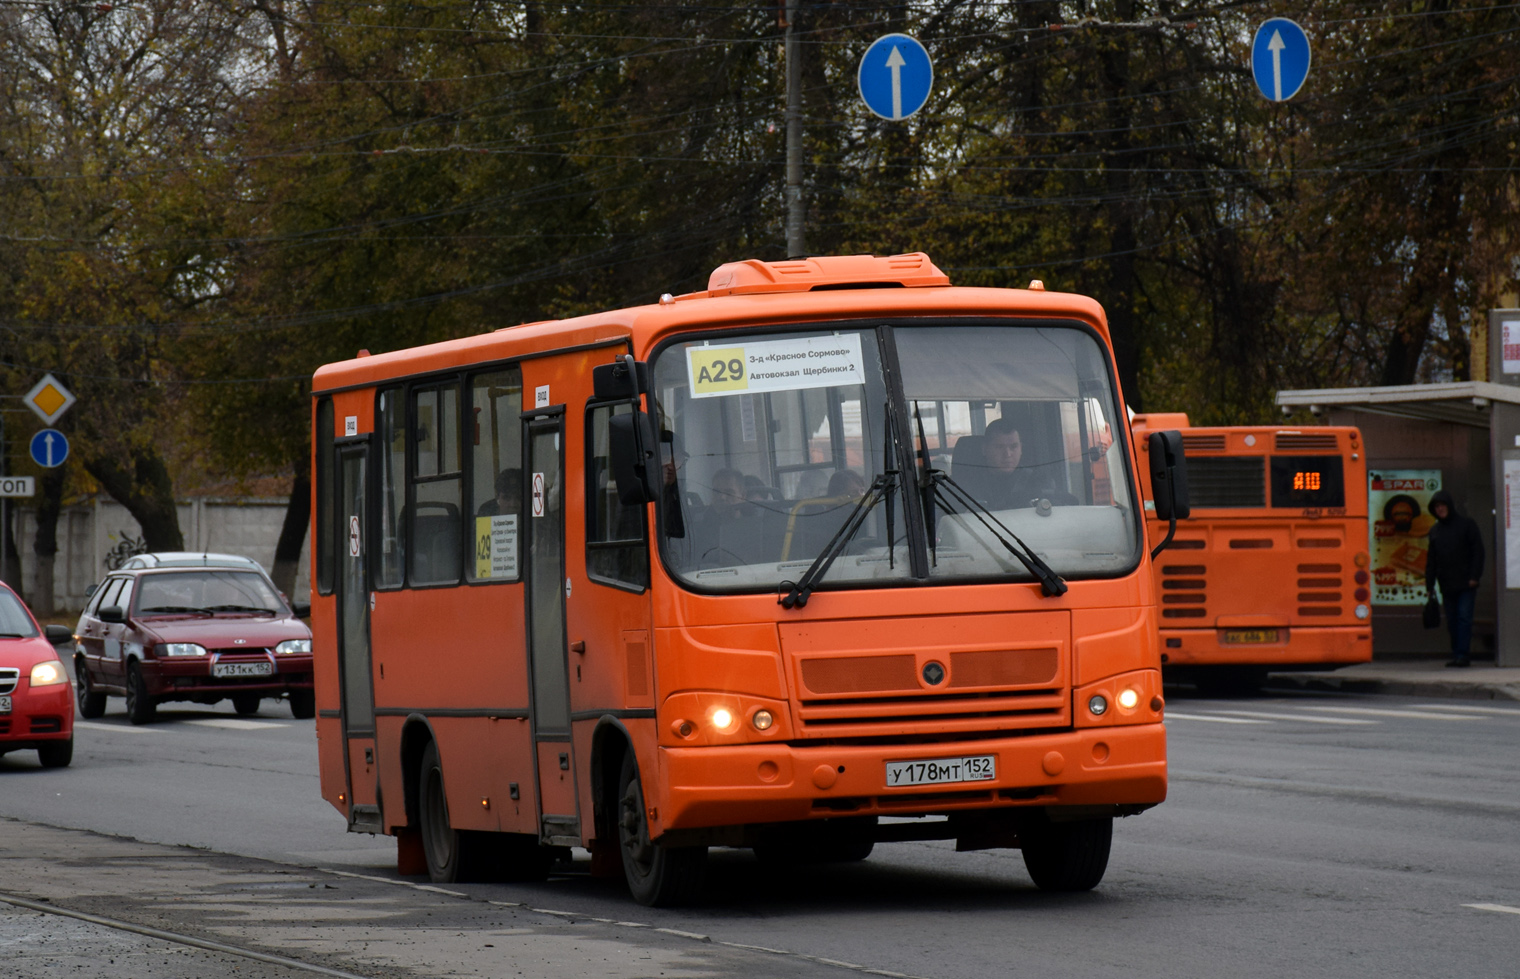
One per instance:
(634, 457)
(1169, 483)
(617, 382)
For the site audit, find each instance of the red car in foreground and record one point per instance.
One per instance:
(36, 699)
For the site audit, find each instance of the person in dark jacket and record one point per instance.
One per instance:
(1455, 562)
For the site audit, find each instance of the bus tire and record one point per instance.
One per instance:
(453, 856)
(658, 876)
(1066, 856)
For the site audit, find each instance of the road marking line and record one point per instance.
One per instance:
(169, 936)
(1502, 908)
(114, 728)
(1204, 717)
(1385, 712)
(233, 724)
(675, 933)
(1293, 717)
(1502, 711)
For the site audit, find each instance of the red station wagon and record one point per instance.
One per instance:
(202, 633)
(36, 701)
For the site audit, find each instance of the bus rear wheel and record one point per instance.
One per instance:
(453, 856)
(658, 876)
(1066, 856)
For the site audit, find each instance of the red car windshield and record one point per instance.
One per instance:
(207, 591)
(15, 622)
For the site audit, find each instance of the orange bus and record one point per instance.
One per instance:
(739, 568)
(1271, 571)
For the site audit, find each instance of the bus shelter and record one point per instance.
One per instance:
(1463, 437)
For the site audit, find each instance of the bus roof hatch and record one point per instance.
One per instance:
(913, 270)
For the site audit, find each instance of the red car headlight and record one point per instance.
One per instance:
(49, 673)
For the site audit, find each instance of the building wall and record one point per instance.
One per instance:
(94, 534)
(1461, 452)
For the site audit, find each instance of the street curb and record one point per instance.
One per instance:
(1400, 686)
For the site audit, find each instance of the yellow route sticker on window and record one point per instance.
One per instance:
(717, 370)
(775, 365)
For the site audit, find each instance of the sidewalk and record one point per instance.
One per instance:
(1414, 678)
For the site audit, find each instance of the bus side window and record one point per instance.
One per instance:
(617, 548)
(494, 480)
(325, 542)
(436, 528)
(390, 430)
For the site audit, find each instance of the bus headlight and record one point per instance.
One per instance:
(722, 718)
(1363, 611)
(762, 719)
(1098, 705)
(49, 673)
(1128, 698)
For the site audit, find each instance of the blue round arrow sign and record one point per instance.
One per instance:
(49, 448)
(1280, 59)
(895, 76)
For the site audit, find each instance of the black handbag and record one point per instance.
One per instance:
(1432, 614)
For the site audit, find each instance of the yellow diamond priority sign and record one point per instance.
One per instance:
(49, 399)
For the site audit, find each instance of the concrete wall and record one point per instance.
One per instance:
(1461, 452)
(88, 533)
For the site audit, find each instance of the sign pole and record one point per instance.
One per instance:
(5, 513)
(795, 246)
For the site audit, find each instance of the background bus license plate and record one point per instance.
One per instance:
(5, 704)
(937, 771)
(1250, 635)
(241, 669)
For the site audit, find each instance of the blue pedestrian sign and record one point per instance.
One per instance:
(1280, 59)
(49, 448)
(895, 76)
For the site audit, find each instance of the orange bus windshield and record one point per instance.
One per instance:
(772, 439)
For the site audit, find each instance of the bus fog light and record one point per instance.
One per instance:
(1363, 611)
(722, 718)
(1128, 699)
(683, 728)
(1098, 705)
(762, 720)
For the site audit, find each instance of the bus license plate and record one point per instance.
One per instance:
(939, 771)
(1250, 635)
(5, 704)
(241, 669)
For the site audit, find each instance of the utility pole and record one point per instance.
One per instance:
(795, 248)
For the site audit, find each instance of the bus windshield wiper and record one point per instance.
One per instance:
(947, 491)
(880, 489)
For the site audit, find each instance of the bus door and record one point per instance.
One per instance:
(354, 677)
(548, 666)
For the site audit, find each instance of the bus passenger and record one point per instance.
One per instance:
(508, 497)
(847, 482)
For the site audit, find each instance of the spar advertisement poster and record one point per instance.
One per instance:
(1398, 506)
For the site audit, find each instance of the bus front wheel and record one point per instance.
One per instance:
(1066, 856)
(658, 876)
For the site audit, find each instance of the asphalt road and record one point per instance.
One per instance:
(1305, 834)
